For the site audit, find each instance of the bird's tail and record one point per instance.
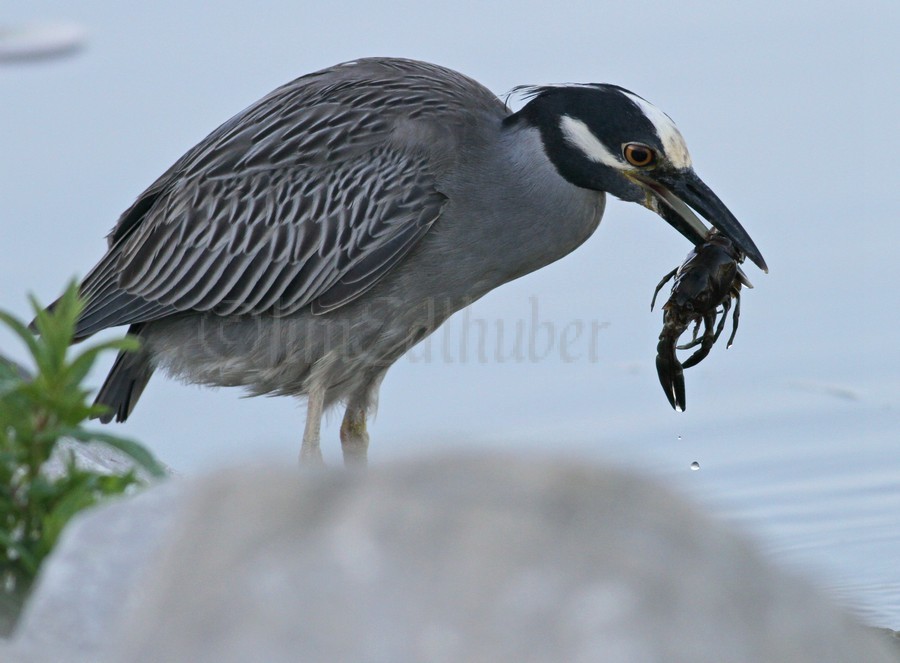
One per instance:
(126, 381)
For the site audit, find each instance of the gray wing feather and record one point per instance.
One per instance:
(304, 199)
(264, 219)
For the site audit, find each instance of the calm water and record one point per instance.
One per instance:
(824, 498)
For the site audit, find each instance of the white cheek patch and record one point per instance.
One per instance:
(579, 135)
(672, 141)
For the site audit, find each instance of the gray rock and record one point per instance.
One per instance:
(92, 575)
(476, 559)
(96, 457)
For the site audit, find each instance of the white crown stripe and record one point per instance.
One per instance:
(672, 141)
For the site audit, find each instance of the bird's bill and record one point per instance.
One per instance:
(682, 190)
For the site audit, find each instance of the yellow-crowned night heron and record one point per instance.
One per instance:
(307, 243)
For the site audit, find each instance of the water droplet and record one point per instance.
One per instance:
(679, 437)
(695, 466)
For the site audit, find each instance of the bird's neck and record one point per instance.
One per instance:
(546, 216)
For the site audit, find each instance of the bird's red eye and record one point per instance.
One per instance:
(639, 155)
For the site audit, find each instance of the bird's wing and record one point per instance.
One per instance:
(307, 198)
(276, 240)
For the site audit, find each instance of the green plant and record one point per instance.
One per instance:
(36, 412)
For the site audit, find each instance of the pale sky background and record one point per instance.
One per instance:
(790, 112)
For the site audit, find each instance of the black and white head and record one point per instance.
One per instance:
(606, 138)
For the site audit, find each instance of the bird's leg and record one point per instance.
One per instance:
(310, 453)
(355, 437)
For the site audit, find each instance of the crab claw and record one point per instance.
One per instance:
(707, 340)
(671, 375)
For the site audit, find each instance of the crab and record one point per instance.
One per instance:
(709, 278)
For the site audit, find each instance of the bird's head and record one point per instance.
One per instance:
(605, 138)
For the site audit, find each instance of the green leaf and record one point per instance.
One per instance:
(9, 372)
(79, 495)
(82, 363)
(35, 414)
(24, 555)
(22, 331)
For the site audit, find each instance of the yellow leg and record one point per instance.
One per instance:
(310, 452)
(355, 437)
